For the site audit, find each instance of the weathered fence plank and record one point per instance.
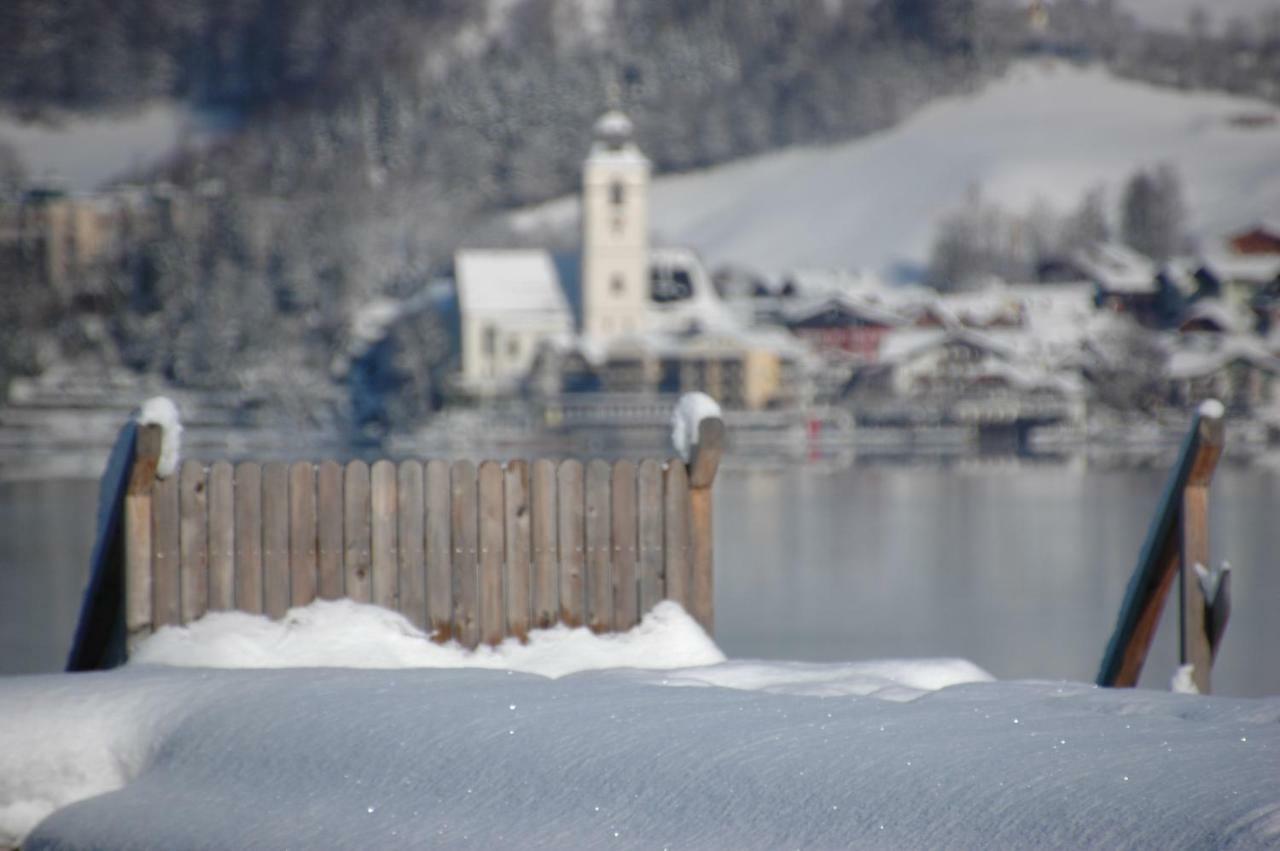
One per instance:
(599, 512)
(625, 611)
(166, 580)
(222, 537)
(193, 504)
(411, 502)
(702, 474)
(275, 539)
(439, 551)
(302, 533)
(492, 553)
(652, 587)
(676, 534)
(329, 528)
(385, 573)
(248, 510)
(139, 537)
(546, 562)
(357, 546)
(517, 576)
(465, 533)
(570, 534)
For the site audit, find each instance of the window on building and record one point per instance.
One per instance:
(490, 341)
(513, 347)
(617, 193)
(617, 285)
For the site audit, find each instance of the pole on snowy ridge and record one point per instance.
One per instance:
(1177, 541)
(137, 534)
(703, 463)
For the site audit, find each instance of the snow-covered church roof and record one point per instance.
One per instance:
(508, 281)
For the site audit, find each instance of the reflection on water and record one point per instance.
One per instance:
(1021, 570)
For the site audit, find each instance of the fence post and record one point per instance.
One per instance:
(137, 535)
(703, 464)
(1194, 638)
(1176, 541)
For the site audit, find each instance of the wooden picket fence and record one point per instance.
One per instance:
(469, 552)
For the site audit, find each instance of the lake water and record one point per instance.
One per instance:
(1020, 569)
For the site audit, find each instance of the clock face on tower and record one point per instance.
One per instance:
(668, 285)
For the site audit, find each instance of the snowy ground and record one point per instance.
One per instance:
(693, 752)
(1046, 131)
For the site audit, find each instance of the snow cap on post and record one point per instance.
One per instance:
(160, 411)
(689, 413)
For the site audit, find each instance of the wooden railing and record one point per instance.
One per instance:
(466, 551)
(1177, 543)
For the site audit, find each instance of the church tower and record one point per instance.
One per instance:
(615, 231)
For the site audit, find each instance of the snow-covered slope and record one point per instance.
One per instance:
(1045, 131)
(431, 751)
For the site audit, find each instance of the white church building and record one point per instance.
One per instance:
(617, 296)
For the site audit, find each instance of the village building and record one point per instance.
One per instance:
(1263, 238)
(1238, 371)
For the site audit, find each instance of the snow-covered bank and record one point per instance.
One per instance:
(428, 748)
(324, 758)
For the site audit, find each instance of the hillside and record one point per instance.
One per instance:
(1042, 132)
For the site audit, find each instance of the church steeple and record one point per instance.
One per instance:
(615, 229)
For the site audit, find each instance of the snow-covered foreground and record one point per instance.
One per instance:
(1044, 131)
(748, 754)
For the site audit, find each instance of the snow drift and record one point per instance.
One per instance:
(425, 747)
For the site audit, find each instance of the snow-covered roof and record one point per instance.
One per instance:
(1188, 362)
(807, 309)
(508, 281)
(1243, 268)
(1209, 310)
(1117, 268)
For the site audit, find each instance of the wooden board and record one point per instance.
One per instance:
(1194, 638)
(138, 537)
(411, 504)
(625, 608)
(439, 552)
(599, 513)
(702, 558)
(545, 581)
(303, 545)
(222, 537)
(492, 553)
(329, 527)
(676, 534)
(570, 535)
(275, 539)
(193, 504)
(385, 568)
(465, 533)
(166, 601)
(356, 532)
(516, 579)
(248, 510)
(650, 566)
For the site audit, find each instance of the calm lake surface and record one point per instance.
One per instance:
(1020, 569)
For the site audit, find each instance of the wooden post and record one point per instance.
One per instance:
(466, 568)
(702, 474)
(137, 531)
(517, 577)
(545, 596)
(1164, 550)
(1195, 648)
(411, 502)
(439, 552)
